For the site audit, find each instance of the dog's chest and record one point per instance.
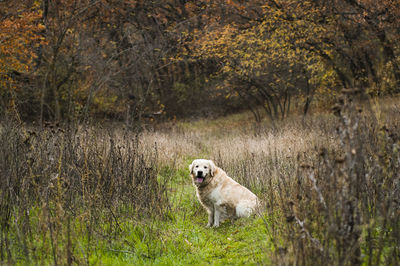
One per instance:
(212, 197)
(215, 195)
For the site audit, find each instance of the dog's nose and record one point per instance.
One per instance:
(200, 173)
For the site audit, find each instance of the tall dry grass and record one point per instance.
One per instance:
(331, 187)
(330, 183)
(64, 189)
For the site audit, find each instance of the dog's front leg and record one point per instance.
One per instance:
(210, 216)
(216, 217)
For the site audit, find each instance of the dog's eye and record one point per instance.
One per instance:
(197, 166)
(205, 167)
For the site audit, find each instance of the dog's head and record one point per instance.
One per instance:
(202, 171)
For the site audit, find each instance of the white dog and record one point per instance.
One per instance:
(221, 196)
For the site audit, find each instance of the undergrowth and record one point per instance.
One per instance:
(93, 195)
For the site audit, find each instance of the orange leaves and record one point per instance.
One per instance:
(19, 37)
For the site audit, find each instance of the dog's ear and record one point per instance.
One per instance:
(191, 168)
(213, 168)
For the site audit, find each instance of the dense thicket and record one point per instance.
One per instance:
(135, 60)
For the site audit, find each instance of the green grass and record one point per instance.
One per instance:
(94, 232)
(183, 239)
(179, 238)
(102, 230)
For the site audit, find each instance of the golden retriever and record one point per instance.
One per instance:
(220, 195)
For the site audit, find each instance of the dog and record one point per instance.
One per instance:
(220, 195)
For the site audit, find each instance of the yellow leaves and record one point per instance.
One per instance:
(37, 4)
(280, 39)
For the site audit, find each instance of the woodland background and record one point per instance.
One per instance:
(105, 103)
(143, 60)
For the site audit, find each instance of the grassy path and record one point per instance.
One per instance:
(184, 239)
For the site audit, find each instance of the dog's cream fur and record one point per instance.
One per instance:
(221, 196)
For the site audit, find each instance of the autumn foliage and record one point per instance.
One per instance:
(20, 37)
(269, 51)
(88, 177)
(140, 60)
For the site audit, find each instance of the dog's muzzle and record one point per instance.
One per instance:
(199, 177)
